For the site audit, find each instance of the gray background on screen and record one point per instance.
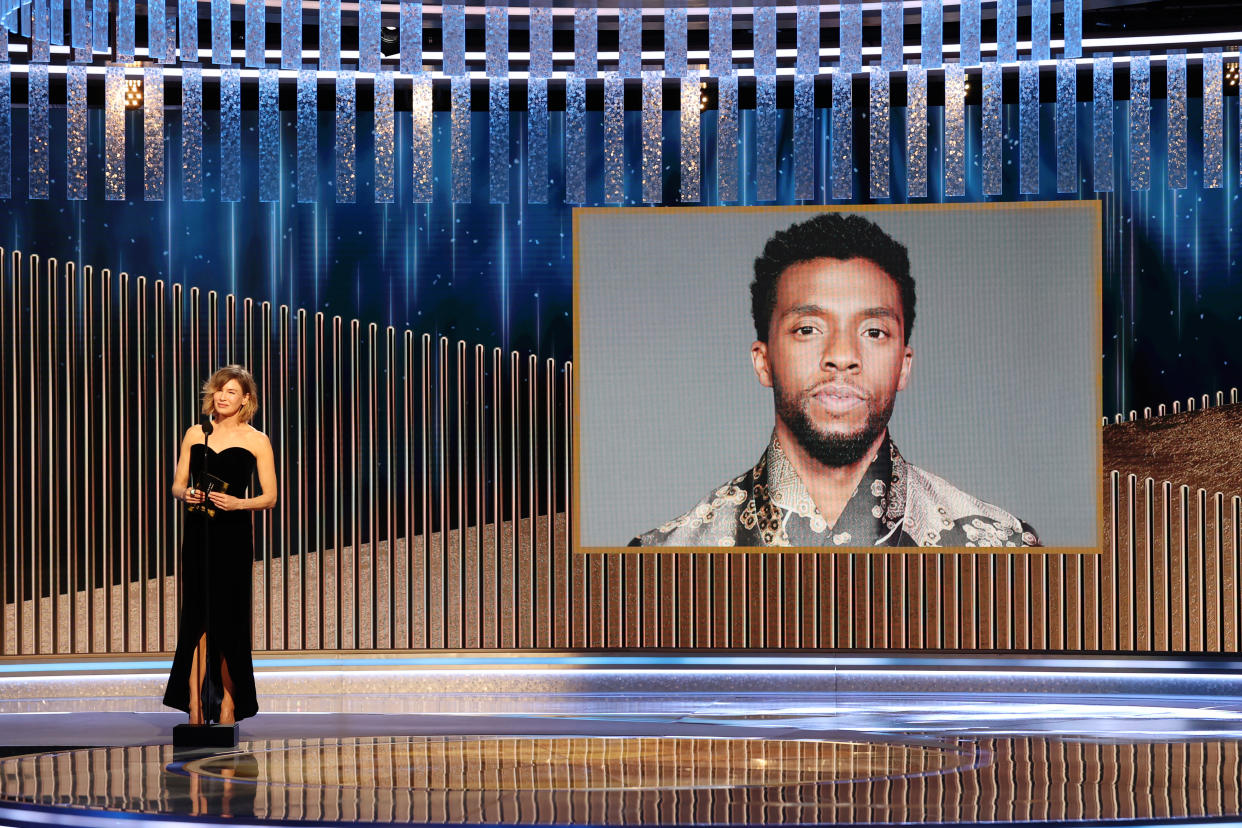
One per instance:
(1003, 398)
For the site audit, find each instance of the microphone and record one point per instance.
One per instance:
(207, 424)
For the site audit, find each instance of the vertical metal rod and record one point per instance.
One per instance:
(213, 331)
(532, 490)
(284, 503)
(160, 464)
(1183, 558)
(480, 491)
(460, 491)
(31, 537)
(549, 497)
(176, 398)
(498, 637)
(140, 442)
(390, 491)
(1219, 581)
(319, 494)
(1132, 560)
(407, 480)
(568, 488)
(123, 465)
(52, 536)
(1113, 592)
(514, 495)
(1149, 535)
(425, 479)
(442, 484)
(266, 521)
(73, 523)
(373, 477)
(337, 510)
(13, 467)
(8, 461)
(355, 534)
(1166, 514)
(107, 509)
(230, 329)
(1201, 575)
(303, 518)
(88, 494)
(247, 336)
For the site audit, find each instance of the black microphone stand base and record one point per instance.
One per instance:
(213, 735)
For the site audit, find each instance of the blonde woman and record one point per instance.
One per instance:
(212, 677)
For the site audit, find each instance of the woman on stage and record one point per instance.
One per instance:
(212, 677)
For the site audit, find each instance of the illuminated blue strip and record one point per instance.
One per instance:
(6, 130)
(221, 32)
(1102, 121)
(37, 131)
(1176, 118)
(230, 134)
(1007, 31)
(765, 40)
(459, 167)
(1041, 29)
(953, 148)
(496, 40)
(187, 27)
(720, 41)
(453, 33)
(1140, 121)
(586, 40)
(767, 129)
(916, 132)
(1213, 119)
(308, 136)
(384, 130)
(537, 141)
(256, 38)
(411, 33)
(1073, 28)
(1028, 126)
(290, 34)
(330, 35)
(369, 35)
(851, 36)
(808, 38)
(727, 139)
(931, 30)
(993, 147)
(56, 25)
(575, 140)
(969, 30)
(269, 135)
(157, 32)
(498, 165)
(346, 138)
(630, 35)
(880, 149)
(652, 126)
(842, 136)
(891, 34)
(614, 138)
(675, 41)
(79, 24)
(540, 41)
(1067, 126)
(804, 136)
(75, 132)
(192, 134)
(40, 47)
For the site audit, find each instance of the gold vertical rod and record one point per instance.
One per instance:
(12, 466)
(33, 527)
(373, 476)
(284, 503)
(1166, 583)
(303, 516)
(1113, 591)
(1131, 561)
(1149, 538)
(497, 637)
(230, 328)
(265, 519)
(107, 509)
(1183, 558)
(1235, 531)
(407, 440)
(549, 453)
(88, 393)
(1201, 575)
(338, 517)
(8, 460)
(567, 394)
(425, 390)
(355, 534)
(532, 464)
(480, 494)
(160, 460)
(73, 523)
(390, 462)
(140, 441)
(52, 538)
(442, 488)
(319, 492)
(247, 337)
(122, 463)
(459, 491)
(515, 567)
(213, 331)
(1218, 580)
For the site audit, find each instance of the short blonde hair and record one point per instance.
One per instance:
(221, 378)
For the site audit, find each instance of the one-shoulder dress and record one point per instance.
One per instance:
(217, 559)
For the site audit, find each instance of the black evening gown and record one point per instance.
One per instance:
(217, 556)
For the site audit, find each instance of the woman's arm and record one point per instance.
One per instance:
(261, 448)
(181, 477)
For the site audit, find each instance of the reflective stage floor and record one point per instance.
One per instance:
(564, 740)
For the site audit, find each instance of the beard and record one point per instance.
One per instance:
(833, 449)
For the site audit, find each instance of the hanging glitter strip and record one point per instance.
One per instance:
(368, 35)
(541, 39)
(411, 28)
(384, 129)
(1213, 119)
(1102, 121)
(256, 36)
(879, 118)
(1176, 111)
(1140, 121)
(1073, 28)
(630, 42)
(460, 144)
(932, 34)
(56, 25)
(720, 39)
(6, 126)
(420, 140)
(842, 135)
(1041, 29)
(1067, 126)
(269, 134)
(767, 136)
(346, 138)
(691, 143)
(187, 20)
(916, 132)
(4, 43)
(99, 39)
(498, 140)
(1006, 31)
(230, 134)
(192, 133)
(804, 137)
(575, 140)
(453, 32)
(726, 139)
(114, 133)
(537, 141)
(891, 35)
(496, 39)
(614, 138)
(993, 146)
(653, 113)
(291, 34)
(125, 31)
(79, 24)
(308, 135)
(1028, 126)
(75, 132)
(808, 38)
(765, 38)
(586, 40)
(157, 31)
(329, 35)
(969, 26)
(221, 33)
(851, 36)
(675, 41)
(37, 129)
(40, 43)
(954, 147)
(153, 132)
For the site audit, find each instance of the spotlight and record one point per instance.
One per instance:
(133, 93)
(1231, 73)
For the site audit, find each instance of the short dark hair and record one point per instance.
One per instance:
(828, 236)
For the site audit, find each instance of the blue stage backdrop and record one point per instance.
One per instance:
(501, 275)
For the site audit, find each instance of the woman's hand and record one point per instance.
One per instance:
(225, 502)
(193, 495)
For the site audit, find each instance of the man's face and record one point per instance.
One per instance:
(835, 356)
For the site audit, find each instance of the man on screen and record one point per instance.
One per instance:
(833, 307)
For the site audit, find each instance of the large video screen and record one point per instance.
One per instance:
(846, 378)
